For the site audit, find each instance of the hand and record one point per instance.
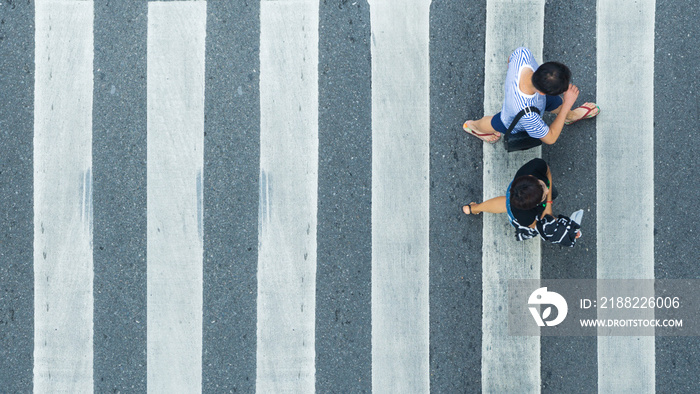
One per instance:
(571, 94)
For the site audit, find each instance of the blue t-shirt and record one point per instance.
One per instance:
(515, 100)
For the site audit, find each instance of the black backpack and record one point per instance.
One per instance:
(520, 141)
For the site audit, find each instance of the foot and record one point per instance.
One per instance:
(586, 111)
(467, 209)
(468, 126)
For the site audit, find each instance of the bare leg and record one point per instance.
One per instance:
(494, 205)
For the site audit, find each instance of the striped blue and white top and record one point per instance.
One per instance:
(515, 100)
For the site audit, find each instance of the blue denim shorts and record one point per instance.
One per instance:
(553, 102)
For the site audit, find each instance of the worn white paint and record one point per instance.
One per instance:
(625, 177)
(175, 95)
(63, 270)
(288, 196)
(400, 195)
(508, 364)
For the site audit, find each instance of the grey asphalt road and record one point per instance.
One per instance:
(343, 361)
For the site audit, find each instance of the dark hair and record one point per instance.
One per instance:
(526, 192)
(551, 78)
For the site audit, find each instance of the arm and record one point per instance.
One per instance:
(548, 208)
(556, 127)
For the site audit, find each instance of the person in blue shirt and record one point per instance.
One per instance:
(528, 84)
(529, 197)
(528, 201)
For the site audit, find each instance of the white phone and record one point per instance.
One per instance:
(576, 217)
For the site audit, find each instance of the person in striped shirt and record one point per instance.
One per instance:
(528, 84)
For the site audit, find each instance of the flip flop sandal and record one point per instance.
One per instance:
(481, 136)
(588, 113)
(470, 208)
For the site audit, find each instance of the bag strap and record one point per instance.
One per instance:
(520, 114)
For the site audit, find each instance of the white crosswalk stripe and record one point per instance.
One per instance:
(63, 268)
(398, 54)
(288, 196)
(400, 134)
(176, 33)
(625, 170)
(508, 363)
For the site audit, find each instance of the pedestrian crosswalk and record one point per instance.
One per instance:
(265, 197)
